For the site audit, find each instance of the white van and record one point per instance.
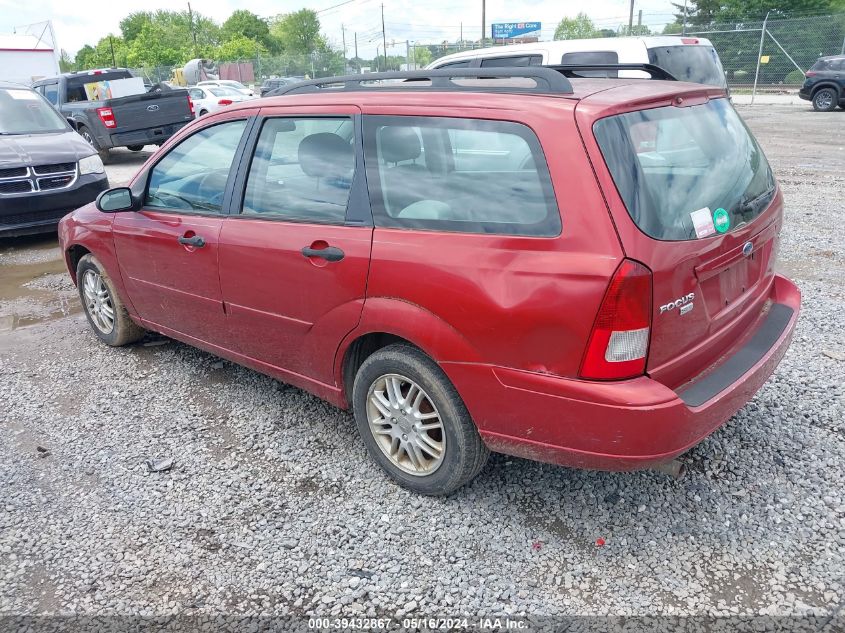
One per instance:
(686, 58)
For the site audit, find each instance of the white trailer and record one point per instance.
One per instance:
(25, 58)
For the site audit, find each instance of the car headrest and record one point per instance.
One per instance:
(325, 155)
(399, 143)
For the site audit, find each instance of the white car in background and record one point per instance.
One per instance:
(228, 83)
(207, 99)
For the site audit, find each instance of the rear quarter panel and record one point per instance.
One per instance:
(522, 302)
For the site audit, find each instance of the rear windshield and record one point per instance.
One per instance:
(24, 111)
(686, 173)
(76, 85)
(698, 64)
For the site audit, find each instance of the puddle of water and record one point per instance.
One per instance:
(21, 306)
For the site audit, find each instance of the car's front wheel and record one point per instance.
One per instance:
(414, 423)
(825, 100)
(134, 148)
(105, 311)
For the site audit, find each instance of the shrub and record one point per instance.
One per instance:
(795, 77)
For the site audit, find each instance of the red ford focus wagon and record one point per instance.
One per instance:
(575, 271)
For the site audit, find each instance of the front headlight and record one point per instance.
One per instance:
(91, 165)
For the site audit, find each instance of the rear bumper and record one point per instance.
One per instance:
(40, 212)
(148, 136)
(625, 425)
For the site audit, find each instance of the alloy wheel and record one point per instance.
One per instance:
(98, 302)
(824, 99)
(406, 425)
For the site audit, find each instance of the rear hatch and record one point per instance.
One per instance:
(698, 205)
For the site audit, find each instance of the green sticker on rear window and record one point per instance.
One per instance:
(721, 220)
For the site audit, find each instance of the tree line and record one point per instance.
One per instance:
(169, 38)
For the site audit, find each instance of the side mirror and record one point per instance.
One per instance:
(115, 200)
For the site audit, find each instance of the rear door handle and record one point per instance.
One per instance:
(194, 240)
(330, 253)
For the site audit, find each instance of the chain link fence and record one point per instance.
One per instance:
(769, 56)
(774, 54)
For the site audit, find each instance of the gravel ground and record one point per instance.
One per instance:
(272, 506)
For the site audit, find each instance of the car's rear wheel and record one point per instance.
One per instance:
(203, 112)
(102, 151)
(134, 148)
(105, 311)
(414, 423)
(825, 100)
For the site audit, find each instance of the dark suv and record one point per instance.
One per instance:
(46, 169)
(275, 83)
(825, 84)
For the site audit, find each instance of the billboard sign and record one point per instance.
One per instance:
(509, 30)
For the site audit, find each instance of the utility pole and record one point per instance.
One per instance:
(631, 19)
(462, 32)
(484, 21)
(383, 36)
(111, 44)
(640, 19)
(356, 50)
(343, 30)
(191, 23)
(408, 55)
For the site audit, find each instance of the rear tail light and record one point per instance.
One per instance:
(619, 341)
(190, 105)
(107, 117)
(224, 102)
(689, 40)
(810, 73)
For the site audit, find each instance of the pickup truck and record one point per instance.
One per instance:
(149, 118)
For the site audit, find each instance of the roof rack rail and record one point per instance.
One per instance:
(572, 70)
(547, 81)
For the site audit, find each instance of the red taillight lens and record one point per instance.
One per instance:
(224, 102)
(107, 117)
(810, 73)
(619, 341)
(190, 105)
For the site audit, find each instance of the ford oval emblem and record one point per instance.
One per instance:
(747, 249)
(152, 108)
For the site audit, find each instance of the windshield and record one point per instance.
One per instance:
(698, 64)
(224, 91)
(686, 173)
(24, 111)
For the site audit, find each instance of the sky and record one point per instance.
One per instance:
(423, 21)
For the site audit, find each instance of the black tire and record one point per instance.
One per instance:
(825, 100)
(102, 151)
(203, 113)
(134, 148)
(464, 454)
(124, 330)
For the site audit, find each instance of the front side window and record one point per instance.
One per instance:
(302, 170)
(463, 175)
(682, 171)
(51, 92)
(192, 176)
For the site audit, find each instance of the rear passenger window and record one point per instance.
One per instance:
(587, 58)
(302, 170)
(461, 64)
(463, 175)
(517, 61)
